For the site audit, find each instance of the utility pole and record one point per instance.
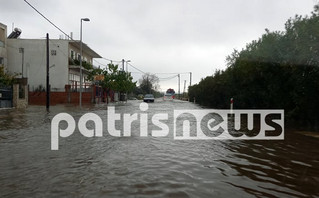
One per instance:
(123, 64)
(127, 66)
(184, 88)
(48, 76)
(190, 78)
(179, 86)
(127, 76)
(81, 54)
(149, 90)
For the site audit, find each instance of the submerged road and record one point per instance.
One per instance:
(138, 166)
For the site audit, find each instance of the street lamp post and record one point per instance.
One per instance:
(21, 50)
(83, 19)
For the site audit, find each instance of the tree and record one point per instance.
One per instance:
(149, 83)
(113, 78)
(5, 78)
(280, 70)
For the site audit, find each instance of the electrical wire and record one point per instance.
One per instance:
(168, 78)
(59, 28)
(99, 63)
(136, 68)
(174, 73)
(111, 60)
(47, 19)
(102, 57)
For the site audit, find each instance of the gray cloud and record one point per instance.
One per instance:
(159, 36)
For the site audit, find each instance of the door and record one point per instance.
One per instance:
(5, 96)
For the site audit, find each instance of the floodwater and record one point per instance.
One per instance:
(147, 166)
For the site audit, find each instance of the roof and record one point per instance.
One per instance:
(74, 43)
(85, 48)
(3, 25)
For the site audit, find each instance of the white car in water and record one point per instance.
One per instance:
(149, 98)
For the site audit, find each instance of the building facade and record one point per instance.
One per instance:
(27, 57)
(3, 45)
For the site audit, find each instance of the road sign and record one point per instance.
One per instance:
(99, 77)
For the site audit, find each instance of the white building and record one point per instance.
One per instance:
(3, 44)
(27, 57)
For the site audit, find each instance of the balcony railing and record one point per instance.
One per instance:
(85, 64)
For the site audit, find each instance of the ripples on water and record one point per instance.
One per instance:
(148, 166)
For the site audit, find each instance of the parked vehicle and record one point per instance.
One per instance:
(148, 98)
(140, 96)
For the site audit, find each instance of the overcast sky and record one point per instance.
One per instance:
(158, 36)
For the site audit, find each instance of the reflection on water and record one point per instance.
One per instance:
(148, 166)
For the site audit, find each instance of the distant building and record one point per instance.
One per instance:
(3, 45)
(27, 57)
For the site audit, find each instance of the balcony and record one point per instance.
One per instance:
(75, 64)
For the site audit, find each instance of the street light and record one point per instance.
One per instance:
(83, 19)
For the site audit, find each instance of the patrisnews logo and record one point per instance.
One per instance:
(228, 124)
(203, 124)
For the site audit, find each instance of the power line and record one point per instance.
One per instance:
(135, 72)
(174, 73)
(168, 78)
(111, 60)
(58, 27)
(47, 19)
(100, 63)
(136, 68)
(78, 43)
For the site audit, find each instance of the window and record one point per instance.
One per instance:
(1, 61)
(72, 54)
(53, 52)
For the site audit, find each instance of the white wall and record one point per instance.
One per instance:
(3, 44)
(35, 61)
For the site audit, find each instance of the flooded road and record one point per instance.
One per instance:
(148, 166)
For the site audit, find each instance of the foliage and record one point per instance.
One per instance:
(85, 64)
(280, 70)
(149, 83)
(114, 79)
(5, 78)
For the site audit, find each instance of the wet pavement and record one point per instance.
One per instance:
(148, 166)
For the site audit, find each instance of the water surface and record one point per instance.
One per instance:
(148, 166)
